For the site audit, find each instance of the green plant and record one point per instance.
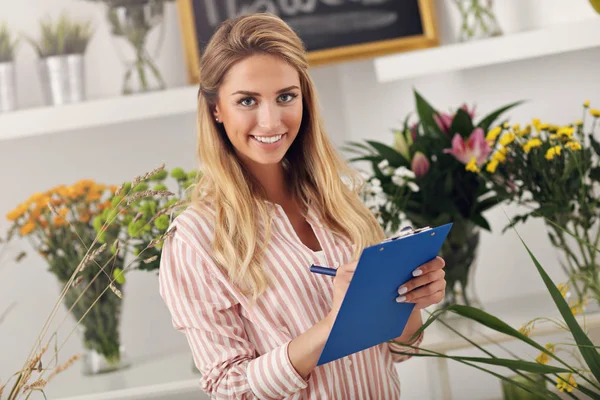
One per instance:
(62, 37)
(7, 44)
(82, 273)
(145, 216)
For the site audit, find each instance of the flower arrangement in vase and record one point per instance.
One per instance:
(430, 177)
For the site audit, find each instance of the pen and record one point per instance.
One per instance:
(322, 270)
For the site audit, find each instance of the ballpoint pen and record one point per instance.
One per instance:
(317, 269)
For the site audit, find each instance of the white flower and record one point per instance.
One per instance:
(388, 206)
(383, 165)
(404, 172)
(375, 182)
(398, 180)
(413, 186)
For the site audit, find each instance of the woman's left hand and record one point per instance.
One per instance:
(428, 286)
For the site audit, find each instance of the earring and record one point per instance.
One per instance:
(217, 119)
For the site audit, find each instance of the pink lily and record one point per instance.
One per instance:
(419, 164)
(443, 121)
(471, 112)
(475, 147)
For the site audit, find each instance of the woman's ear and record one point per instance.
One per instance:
(216, 113)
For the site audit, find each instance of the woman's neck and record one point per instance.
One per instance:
(273, 179)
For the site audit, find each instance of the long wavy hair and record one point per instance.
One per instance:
(317, 175)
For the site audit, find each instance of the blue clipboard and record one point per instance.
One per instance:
(369, 314)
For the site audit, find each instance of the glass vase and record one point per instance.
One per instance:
(459, 251)
(99, 312)
(511, 391)
(477, 20)
(131, 24)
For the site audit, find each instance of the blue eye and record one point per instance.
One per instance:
(247, 102)
(287, 97)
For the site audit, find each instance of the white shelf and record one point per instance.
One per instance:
(556, 39)
(94, 113)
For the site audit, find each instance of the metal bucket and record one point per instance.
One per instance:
(8, 87)
(63, 79)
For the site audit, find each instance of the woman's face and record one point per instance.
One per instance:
(260, 106)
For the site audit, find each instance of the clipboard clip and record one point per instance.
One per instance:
(407, 231)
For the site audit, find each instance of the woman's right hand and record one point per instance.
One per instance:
(341, 281)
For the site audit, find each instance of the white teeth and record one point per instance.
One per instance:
(268, 140)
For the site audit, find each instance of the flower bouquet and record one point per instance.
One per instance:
(556, 175)
(58, 224)
(430, 177)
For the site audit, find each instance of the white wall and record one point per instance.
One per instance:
(355, 107)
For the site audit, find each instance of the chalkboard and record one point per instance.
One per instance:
(332, 30)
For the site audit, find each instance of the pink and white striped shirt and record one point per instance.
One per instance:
(241, 350)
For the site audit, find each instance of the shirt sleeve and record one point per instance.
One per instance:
(398, 347)
(209, 316)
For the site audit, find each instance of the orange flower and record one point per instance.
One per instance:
(85, 218)
(58, 221)
(17, 212)
(27, 228)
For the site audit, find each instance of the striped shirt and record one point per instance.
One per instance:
(241, 350)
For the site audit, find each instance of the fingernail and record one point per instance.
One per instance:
(400, 299)
(402, 290)
(417, 272)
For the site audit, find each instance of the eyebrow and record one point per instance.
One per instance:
(248, 93)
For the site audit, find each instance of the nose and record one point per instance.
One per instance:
(269, 117)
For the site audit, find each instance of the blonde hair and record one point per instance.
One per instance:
(237, 198)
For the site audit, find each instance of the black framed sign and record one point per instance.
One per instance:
(332, 30)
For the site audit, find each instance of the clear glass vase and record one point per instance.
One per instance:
(131, 23)
(99, 314)
(478, 20)
(459, 251)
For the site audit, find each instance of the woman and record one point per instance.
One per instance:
(274, 198)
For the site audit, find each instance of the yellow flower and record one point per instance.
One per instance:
(507, 139)
(27, 228)
(532, 143)
(553, 136)
(493, 134)
(472, 165)
(17, 212)
(578, 122)
(526, 329)
(516, 127)
(577, 308)
(58, 221)
(586, 103)
(553, 128)
(552, 152)
(566, 131)
(563, 288)
(544, 126)
(500, 154)
(491, 166)
(537, 124)
(566, 382)
(595, 112)
(573, 145)
(506, 125)
(543, 358)
(525, 132)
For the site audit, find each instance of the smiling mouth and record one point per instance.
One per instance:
(268, 139)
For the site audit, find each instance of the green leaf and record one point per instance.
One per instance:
(521, 365)
(395, 159)
(487, 121)
(119, 276)
(426, 113)
(595, 174)
(479, 220)
(374, 159)
(461, 124)
(590, 354)
(487, 203)
(595, 144)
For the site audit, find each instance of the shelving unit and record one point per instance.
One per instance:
(548, 41)
(95, 113)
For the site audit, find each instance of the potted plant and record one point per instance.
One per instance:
(61, 48)
(132, 21)
(8, 87)
(429, 178)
